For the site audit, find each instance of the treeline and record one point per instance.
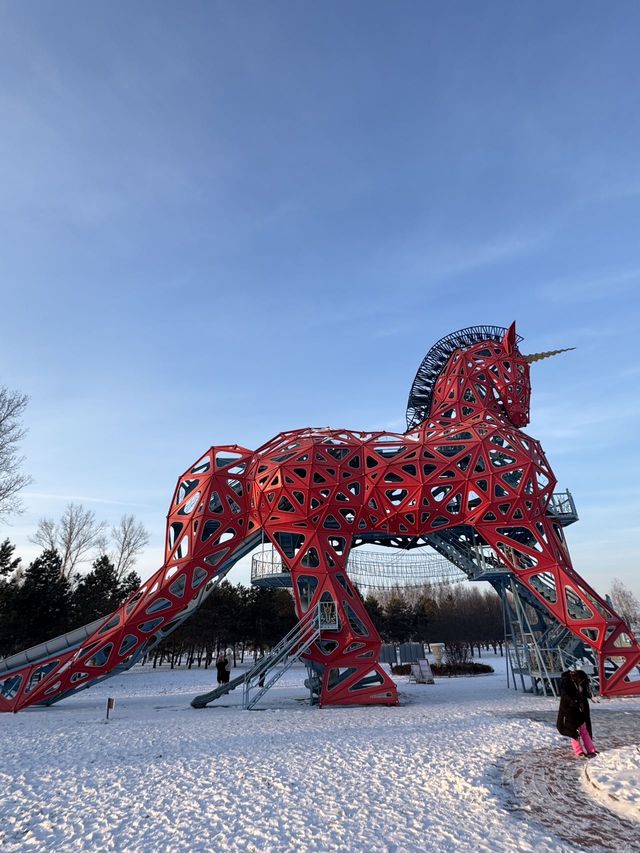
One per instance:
(248, 620)
(39, 602)
(51, 596)
(450, 614)
(251, 621)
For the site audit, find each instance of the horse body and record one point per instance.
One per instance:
(315, 493)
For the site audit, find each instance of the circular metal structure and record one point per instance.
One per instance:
(369, 570)
(268, 571)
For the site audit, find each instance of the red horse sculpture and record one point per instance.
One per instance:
(464, 463)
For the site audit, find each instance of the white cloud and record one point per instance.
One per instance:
(84, 499)
(588, 287)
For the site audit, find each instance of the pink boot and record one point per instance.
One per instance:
(577, 748)
(589, 746)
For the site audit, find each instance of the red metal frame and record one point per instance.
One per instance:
(312, 491)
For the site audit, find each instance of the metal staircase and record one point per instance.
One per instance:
(539, 650)
(272, 666)
(538, 647)
(524, 655)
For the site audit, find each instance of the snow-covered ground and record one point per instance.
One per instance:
(613, 777)
(161, 776)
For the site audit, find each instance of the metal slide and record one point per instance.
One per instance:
(205, 698)
(272, 666)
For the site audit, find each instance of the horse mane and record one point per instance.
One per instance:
(435, 361)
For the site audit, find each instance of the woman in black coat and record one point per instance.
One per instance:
(221, 668)
(574, 716)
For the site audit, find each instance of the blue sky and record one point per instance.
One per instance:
(221, 220)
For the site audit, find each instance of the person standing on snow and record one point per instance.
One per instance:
(221, 668)
(574, 715)
(227, 657)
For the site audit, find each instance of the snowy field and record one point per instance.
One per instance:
(614, 779)
(161, 776)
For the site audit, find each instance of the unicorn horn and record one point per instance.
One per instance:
(538, 356)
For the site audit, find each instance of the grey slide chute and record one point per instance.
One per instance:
(203, 699)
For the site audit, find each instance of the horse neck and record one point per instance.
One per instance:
(459, 395)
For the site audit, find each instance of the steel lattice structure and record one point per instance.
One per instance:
(463, 469)
(414, 570)
(370, 570)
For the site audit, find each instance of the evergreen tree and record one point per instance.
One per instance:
(424, 615)
(223, 621)
(8, 618)
(375, 611)
(398, 619)
(98, 593)
(445, 623)
(8, 563)
(245, 615)
(283, 615)
(129, 583)
(42, 603)
(493, 620)
(269, 616)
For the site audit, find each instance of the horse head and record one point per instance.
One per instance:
(503, 372)
(475, 370)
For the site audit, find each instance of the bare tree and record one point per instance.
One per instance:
(129, 538)
(12, 480)
(76, 536)
(625, 603)
(46, 535)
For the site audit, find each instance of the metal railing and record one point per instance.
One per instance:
(268, 566)
(563, 505)
(368, 569)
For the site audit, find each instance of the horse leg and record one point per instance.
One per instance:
(209, 528)
(538, 555)
(349, 656)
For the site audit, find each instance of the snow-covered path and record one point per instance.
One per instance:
(551, 787)
(160, 776)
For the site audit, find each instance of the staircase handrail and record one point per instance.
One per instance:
(300, 628)
(289, 649)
